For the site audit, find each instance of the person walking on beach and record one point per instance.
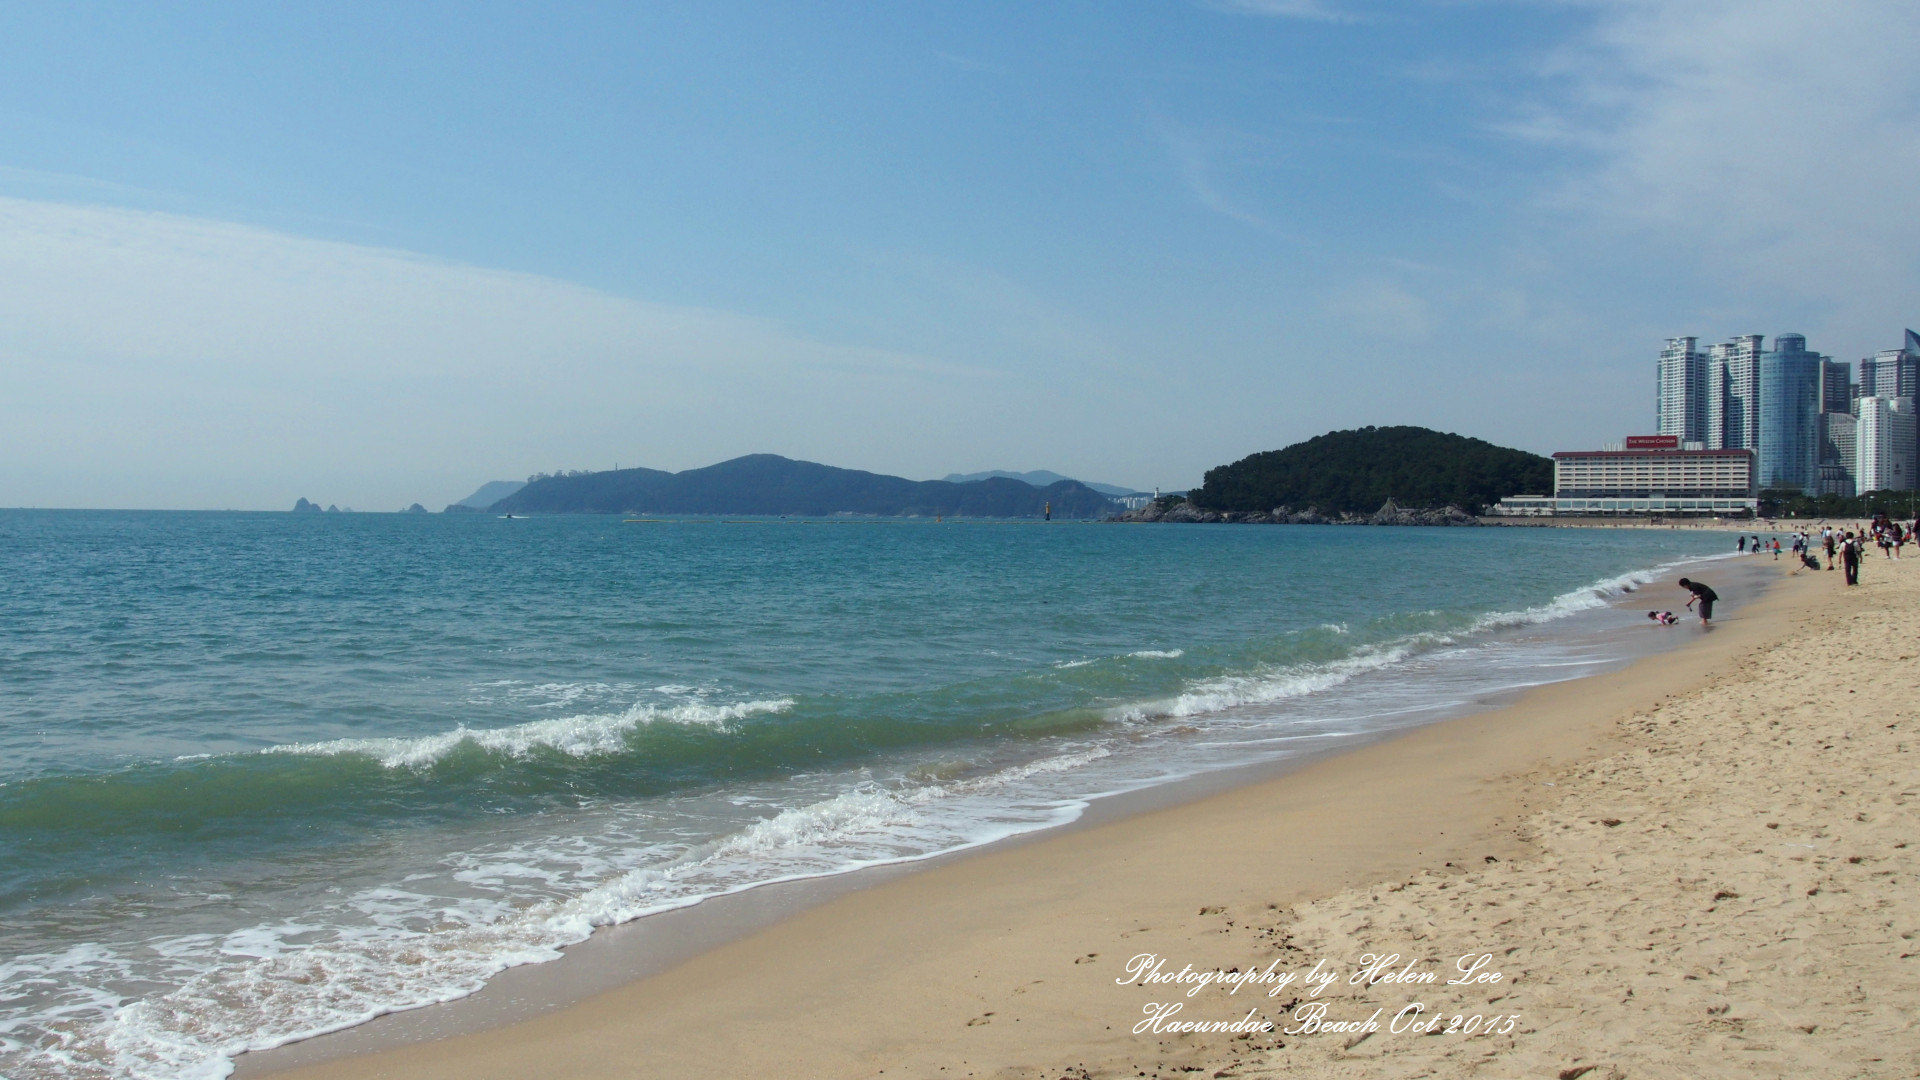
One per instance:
(1702, 595)
(1850, 558)
(1828, 533)
(1743, 543)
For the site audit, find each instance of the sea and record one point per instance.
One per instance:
(266, 775)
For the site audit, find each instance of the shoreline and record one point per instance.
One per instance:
(770, 916)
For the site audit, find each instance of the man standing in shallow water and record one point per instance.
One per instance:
(1704, 596)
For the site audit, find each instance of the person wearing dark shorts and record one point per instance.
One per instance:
(1702, 595)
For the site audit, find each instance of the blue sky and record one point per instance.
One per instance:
(382, 253)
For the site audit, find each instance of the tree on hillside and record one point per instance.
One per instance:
(1356, 471)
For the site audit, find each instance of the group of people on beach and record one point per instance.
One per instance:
(1845, 549)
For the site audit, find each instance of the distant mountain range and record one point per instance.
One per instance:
(767, 484)
(1038, 478)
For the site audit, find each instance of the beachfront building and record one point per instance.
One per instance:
(1733, 393)
(1789, 433)
(1681, 404)
(1649, 474)
(1884, 457)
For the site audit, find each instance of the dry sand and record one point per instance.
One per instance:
(1703, 865)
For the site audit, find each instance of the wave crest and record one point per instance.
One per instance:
(577, 736)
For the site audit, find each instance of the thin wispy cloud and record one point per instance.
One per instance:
(1776, 144)
(1315, 10)
(266, 364)
(971, 63)
(1384, 308)
(1197, 158)
(1475, 199)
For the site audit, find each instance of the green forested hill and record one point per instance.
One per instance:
(1356, 471)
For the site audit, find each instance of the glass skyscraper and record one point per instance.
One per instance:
(1789, 431)
(1836, 386)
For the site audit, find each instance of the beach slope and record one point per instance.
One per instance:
(1698, 866)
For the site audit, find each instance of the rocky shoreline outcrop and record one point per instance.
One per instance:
(1180, 511)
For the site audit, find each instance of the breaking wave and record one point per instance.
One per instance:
(577, 736)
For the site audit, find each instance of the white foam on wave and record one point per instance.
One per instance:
(560, 695)
(1297, 680)
(872, 825)
(1588, 597)
(1232, 691)
(266, 992)
(1142, 654)
(579, 736)
(1058, 763)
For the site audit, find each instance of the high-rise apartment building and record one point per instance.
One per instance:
(1884, 445)
(1892, 372)
(1681, 408)
(1799, 412)
(1838, 392)
(1789, 430)
(1733, 393)
(1836, 386)
(1838, 457)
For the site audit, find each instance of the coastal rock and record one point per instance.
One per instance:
(416, 508)
(1157, 510)
(1391, 514)
(1178, 510)
(1185, 512)
(305, 507)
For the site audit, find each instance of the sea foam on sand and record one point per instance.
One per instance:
(1702, 866)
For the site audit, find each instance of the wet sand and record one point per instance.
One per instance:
(1010, 963)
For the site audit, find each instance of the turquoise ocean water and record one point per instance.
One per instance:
(267, 775)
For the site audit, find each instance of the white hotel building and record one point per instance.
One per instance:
(1651, 476)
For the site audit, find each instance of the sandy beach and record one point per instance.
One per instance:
(1697, 866)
